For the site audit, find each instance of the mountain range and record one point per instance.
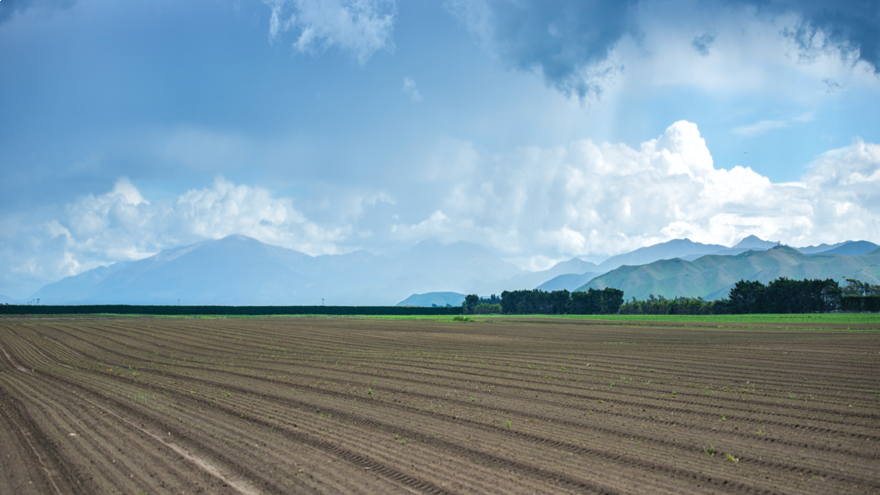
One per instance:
(712, 276)
(238, 270)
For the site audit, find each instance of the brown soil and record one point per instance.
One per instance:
(292, 405)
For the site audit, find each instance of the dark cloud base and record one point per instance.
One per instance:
(564, 39)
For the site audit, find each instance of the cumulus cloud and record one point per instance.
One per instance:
(590, 198)
(571, 43)
(411, 89)
(359, 27)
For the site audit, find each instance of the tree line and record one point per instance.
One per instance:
(605, 301)
(783, 295)
(659, 305)
(860, 296)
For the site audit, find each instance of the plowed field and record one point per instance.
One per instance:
(338, 405)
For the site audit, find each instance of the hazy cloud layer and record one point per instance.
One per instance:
(359, 27)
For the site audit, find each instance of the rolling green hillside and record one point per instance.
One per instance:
(712, 276)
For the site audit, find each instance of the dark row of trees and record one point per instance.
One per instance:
(476, 305)
(678, 306)
(861, 304)
(606, 301)
(782, 295)
(596, 302)
(785, 295)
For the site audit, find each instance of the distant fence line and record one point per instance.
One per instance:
(127, 309)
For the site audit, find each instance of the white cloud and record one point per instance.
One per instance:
(588, 198)
(411, 89)
(359, 27)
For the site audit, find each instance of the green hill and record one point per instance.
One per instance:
(712, 276)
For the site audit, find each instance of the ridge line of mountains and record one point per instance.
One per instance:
(238, 270)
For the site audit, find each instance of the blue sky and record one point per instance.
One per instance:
(540, 129)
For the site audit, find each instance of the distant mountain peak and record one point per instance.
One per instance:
(754, 241)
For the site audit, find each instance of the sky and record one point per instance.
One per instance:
(540, 129)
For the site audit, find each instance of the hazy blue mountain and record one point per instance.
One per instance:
(243, 271)
(712, 276)
(82, 284)
(531, 280)
(750, 243)
(676, 248)
(433, 298)
(233, 270)
(851, 248)
(569, 281)
(430, 266)
(755, 243)
(8, 300)
(821, 248)
(461, 264)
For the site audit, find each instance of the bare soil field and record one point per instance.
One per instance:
(346, 405)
